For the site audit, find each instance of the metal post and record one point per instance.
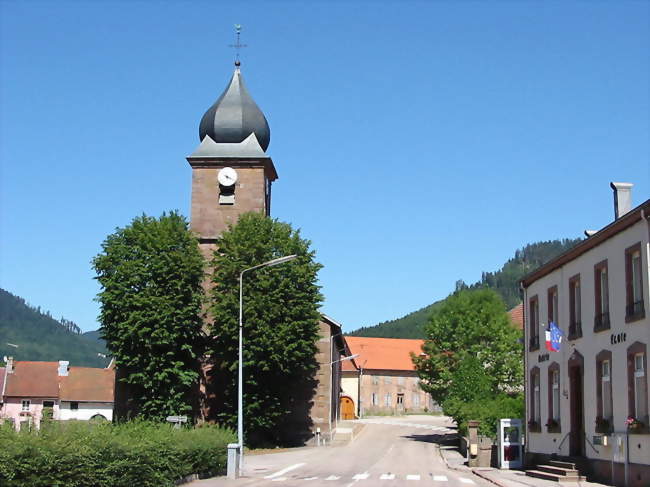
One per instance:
(240, 396)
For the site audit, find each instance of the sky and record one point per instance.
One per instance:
(417, 143)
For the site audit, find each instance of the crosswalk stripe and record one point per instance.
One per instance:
(466, 481)
(310, 478)
(332, 477)
(279, 479)
(361, 476)
(440, 478)
(412, 477)
(284, 470)
(387, 476)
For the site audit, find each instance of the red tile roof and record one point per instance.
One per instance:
(88, 384)
(33, 379)
(517, 316)
(384, 353)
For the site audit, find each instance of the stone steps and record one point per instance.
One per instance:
(556, 471)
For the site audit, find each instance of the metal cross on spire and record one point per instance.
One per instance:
(237, 45)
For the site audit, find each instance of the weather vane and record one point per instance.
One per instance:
(237, 45)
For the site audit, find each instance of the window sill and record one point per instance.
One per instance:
(554, 429)
(534, 428)
(601, 328)
(634, 317)
(604, 430)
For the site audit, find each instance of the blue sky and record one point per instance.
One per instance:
(417, 143)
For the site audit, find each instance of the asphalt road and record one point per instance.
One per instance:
(388, 452)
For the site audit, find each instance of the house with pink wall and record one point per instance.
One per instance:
(30, 389)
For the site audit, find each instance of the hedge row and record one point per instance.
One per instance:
(71, 454)
(488, 411)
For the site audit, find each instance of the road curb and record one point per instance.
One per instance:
(463, 468)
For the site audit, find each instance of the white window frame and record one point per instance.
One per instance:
(388, 379)
(604, 290)
(373, 399)
(606, 385)
(25, 405)
(375, 380)
(639, 377)
(536, 398)
(577, 308)
(388, 399)
(636, 276)
(555, 384)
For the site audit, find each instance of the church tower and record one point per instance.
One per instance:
(231, 172)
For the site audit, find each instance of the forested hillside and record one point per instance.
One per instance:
(27, 333)
(504, 281)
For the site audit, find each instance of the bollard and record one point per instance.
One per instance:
(233, 460)
(472, 430)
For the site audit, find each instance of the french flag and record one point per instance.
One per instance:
(553, 338)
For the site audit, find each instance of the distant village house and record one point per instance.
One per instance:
(30, 391)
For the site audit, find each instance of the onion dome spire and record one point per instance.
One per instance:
(235, 116)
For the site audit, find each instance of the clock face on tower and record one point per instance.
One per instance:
(227, 176)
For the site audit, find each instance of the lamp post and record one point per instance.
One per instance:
(342, 359)
(240, 395)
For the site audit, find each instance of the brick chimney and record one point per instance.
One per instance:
(622, 198)
(63, 368)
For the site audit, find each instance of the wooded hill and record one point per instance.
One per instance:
(27, 333)
(504, 281)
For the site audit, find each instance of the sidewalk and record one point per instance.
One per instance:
(503, 478)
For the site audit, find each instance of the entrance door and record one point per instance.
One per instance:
(347, 408)
(577, 435)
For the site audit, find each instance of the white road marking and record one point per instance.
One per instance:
(465, 481)
(279, 479)
(284, 470)
(310, 478)
(387, 476)
(361, 476)
(412, 477)
(332, 477)
(440, 478)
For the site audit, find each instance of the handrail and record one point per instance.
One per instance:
(586, 439)
(592, 446)
(563, 440)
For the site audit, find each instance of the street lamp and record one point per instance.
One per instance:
(240, 398)
(342, 359)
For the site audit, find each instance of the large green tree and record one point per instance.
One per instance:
(281, 313)
(150, 274)
(470, 323)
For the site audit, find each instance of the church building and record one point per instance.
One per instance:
(232, 174)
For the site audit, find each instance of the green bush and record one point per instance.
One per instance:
(79, 454)
(488, 411)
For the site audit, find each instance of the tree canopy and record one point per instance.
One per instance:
(150, 274)
(470, 323)
(280, 315)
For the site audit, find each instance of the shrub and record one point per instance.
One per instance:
(487, 411)
(80, 454)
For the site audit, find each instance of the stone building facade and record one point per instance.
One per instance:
(382, 378)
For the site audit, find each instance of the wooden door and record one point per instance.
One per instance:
(347, 408)
(576, 443)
